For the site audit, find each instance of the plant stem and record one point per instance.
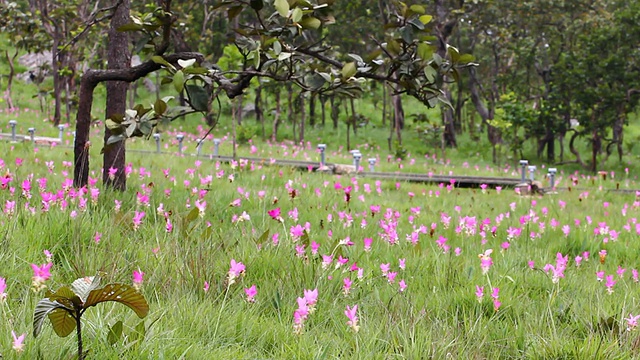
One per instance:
(224, 300)
(79, 334)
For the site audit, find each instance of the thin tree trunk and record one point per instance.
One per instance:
(312, 109)
(276, 118)
(119, 57)
(303, 116)
(12, 73)
(384, 104)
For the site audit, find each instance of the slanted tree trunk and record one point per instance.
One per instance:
(119, 58)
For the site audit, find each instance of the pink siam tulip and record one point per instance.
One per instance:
(138, 279)
(346, 287)
(485, 261)
(235, 271)
(609, 283)
(18, 342)
(137, 219)
(300, 315)
(403, 285)
(479, 293)
(351, 313)
(40, 275)
(632, 322)
(251, 293)
(206, 286)
(3, 288)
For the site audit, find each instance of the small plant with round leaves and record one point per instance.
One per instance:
(65, 307)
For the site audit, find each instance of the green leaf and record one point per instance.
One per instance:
(425, 19)
(263, 238)
(178, 81)
(62, 322)
(186, 63)
(393, 47)
(466, 58)
(115, 333)
(453, 53)
(282, 7)
(348, 70)
(130, 27)
(43, 308)
(418, 9)
(310, 23)
(111, 125)
(198, 97)
(234, 11)
(121, 293)
(284, 56)
(160, 60)
(425, 51)
(296, 15)
(277, 47)
(159, 107)
(114, 139)
(83, 286)
(192, 215)
(430, 73)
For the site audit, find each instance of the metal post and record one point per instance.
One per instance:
(552, 177)
(13, 124)
(156, 137)
(523, 165)
(372, 164)
(180, 138)
(322, 148)
(356, 160)
(32, 133)
(532, 170)
(61, 132)
(216, 146)
(199, 146)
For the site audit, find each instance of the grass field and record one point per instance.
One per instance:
(415, 285)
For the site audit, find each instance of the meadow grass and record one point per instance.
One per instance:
(437, 315)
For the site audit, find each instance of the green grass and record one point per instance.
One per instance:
(437, 316)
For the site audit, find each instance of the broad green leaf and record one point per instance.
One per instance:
(114, 139)
(304, 239)
(66, 297)
(160, 60)
(393, 47)
(198, 97)
(43, 308)
(466, 58)
(159, 107)
(62, 322)
(192, 215)
(310, 23)
(186, 63)
(418, 9)
(425, 51)
(282, 7)
(130, 27)
(348, 70)
(296, 15)
(131, 129)
(425, 19)
(111, 125)
(178, 81)
(430, 73)
(124, 294)
(277, 47)
(115, 333)
(234, 11)
(284, 56)
(263, 238)
(453, 53)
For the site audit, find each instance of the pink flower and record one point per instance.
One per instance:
(3, 288)
(251, 293)
(403, 285)
(18, 341)
(206, 286)
(485, 261)
(40, 275)
(609, 283)
(311, 297)
(138, 278)
(479, 293)
(347, 286)
(385, 268)
(351, 314)
(632, 322)
(97, 237)
(235, 271)
(275, 214)
(137, 219)
(367, 244)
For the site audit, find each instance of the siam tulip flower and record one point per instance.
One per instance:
(300, 251)
(346, 287)
(40, 275)
(391, 276)
(48, 255)
(296, 232)
(206, 286)
(634, 275)
(402, 263)
(479, 293)
(351, 314)
(138, 278)
(632, 322)
(275, 214)
(620, 271)
(300, 315)
(609, 283)
(385, 268)
(18, 342)
(600, 275)
(458, 251)
(97, 237)
(311, 297)
(403, 285)
(251, 293)
(235, 271)
(603, 256)
(3, 288)
(485, 261)
(314, 248)
(137, 219)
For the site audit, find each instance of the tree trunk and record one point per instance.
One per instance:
(119, 58)
(335, 111)
(353, 117)
(57, 79)
(276, 118)
(384, 104)
(257, 105)
(398, 116)
(323, 109)
(303, 115)
(12, 73)
(312, 109)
